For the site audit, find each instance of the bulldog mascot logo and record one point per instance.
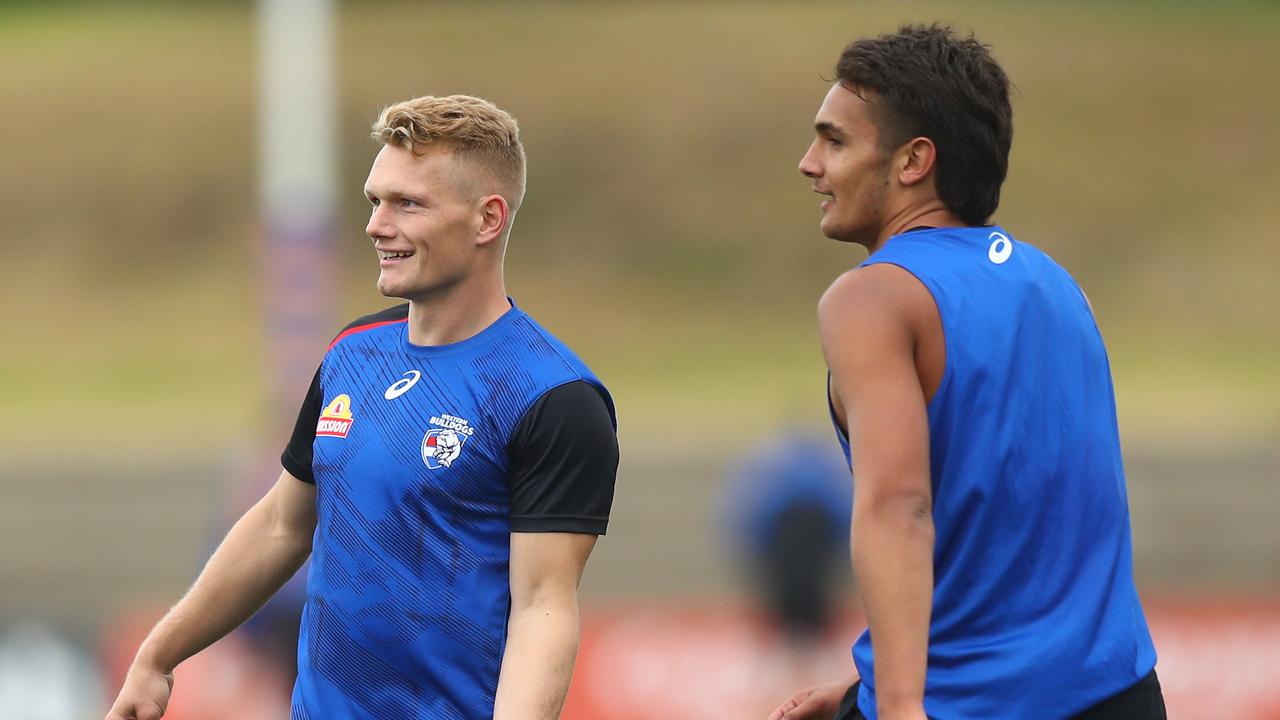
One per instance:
(441, 447)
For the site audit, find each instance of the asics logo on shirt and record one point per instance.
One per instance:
(402, 385)
(1001, 248)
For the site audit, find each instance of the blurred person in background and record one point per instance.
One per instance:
(786, 512)
(450, 470)
(972, 392)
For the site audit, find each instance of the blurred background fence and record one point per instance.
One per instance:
(669, 239)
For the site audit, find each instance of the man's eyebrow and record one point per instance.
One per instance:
(825, 127)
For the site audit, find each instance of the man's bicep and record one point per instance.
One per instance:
(292, 502)
(564, 461)
(547, 565)
(868, 343)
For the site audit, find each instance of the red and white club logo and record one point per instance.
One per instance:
(440, 447)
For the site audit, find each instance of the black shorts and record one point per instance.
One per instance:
(1142, 701)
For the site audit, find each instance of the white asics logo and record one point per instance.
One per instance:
(1001, 248)
(402, 385)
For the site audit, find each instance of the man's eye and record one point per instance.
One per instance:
(374, 202)
(407, 203)
(834, 141)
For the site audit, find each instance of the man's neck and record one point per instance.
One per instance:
(933, 215)
(457, 314)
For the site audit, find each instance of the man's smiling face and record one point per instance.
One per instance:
(848, 163)
(422, 221)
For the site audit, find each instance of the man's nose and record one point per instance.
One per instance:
(377, 227)
(808, 165)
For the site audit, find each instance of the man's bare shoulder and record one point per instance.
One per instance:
(874, 294)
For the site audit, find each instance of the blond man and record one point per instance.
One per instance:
(450, 470)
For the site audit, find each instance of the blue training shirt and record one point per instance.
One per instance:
(1035, 614)
(414, 453)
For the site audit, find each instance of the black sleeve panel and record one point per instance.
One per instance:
(564, 460)
(296, 457)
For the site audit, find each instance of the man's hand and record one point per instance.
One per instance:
(144, 696)
(263, 550)
(816, 703)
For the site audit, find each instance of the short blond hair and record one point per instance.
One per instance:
(473, 128)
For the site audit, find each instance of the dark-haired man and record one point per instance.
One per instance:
(971, 390)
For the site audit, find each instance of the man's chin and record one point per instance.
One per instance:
(840, 234)
(391, 290)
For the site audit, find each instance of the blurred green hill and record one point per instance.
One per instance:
(666, 235)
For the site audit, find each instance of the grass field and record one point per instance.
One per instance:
(666, 235)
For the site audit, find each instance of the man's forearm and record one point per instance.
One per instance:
(542, 644)
(252, 563)
(893, 560)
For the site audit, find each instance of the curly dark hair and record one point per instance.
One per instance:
(926, 81)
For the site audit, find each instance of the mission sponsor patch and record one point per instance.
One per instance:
(336, 419)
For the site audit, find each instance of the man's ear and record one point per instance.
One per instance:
(494, 216)
(916, 160)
